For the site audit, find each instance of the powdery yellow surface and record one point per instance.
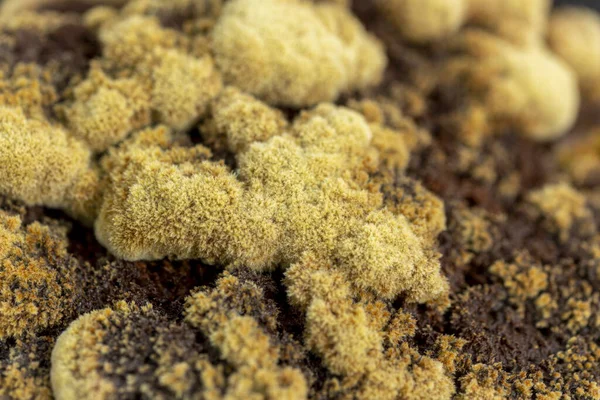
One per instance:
(40, 163)
(27, 86)
(323, 195)
(524, 84)
(422, 21)
(292, 194)
(220, 314)
(64, 359)
(523, 22)
(180, 85)
(574, 35)
(528, 87)
(351, 344)
(562, 205)
(425, 20)
(238, 120)
(37, 277)
(104, 342)
(104, 110)
(24, 377)
(295, 54)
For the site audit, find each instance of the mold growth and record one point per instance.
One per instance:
(298, 199)
(38, 277)
(293, 194)
(299, 55)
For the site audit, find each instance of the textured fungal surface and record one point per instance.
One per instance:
(295, 54)
(299, 199)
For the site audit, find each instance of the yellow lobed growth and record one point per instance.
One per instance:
(83, 334)
(29, 87)
(231, 296)
(238, 120)
(522, 279)
(131, 41)
(176, 102)
(385, 255)
(244, 345)
(472, 228)
(395, 134)
(165, 359)
(423, 209)
(208, 212)
(581, 157)
(37, 277)
(96, 350)
(104, 110)
(296, 54)
(344, 335)
(10, 8)
(563, 206)
(180, 85)
(425, 20)
(482, 384)
(222, 315)
(292, 194)
(41, 164)
(574, 35)
(24, 370)
(528, 87)
(393, 147)
(523, 22)
(336, 328)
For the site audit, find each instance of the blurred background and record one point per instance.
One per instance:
(589, 3)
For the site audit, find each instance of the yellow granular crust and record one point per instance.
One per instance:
(37, 277)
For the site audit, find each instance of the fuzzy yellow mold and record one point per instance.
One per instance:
(422, 21)
(221, 315)
(341, 332)
(238, 120)
(180, 85)
(528, 88)
(425, 20)
(104, 111)
(574, 35)
(563, 205)
(40, 163)
(37, 277)
(292, 194)
(295, 54)
(523, 22)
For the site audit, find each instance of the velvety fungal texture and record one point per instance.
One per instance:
(293, 194)
(299, 199)
(40, 162)
(425, 21)
(294, 54)
(528, 87)
(574, 34)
